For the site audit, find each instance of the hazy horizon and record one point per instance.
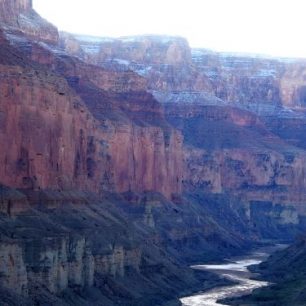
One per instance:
(273, 28)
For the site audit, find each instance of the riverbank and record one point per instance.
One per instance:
(236, 270)
(287, 271)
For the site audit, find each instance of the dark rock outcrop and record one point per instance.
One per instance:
(77, 248)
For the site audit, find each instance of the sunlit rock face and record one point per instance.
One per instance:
(69, 126)
(144, 152)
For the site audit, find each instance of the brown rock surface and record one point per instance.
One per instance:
(252, 82)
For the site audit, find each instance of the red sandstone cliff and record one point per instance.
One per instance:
(82, 126)
(144, 152)
(49, 136)
(20, 16)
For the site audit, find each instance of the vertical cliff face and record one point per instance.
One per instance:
(58, 259)
(13, 269)
(57, 142)
(63, 263)
(147, 50)
(151, 159)
(51, 147)
(10, 10)
(231, 152)
(251, 82)
(18, 15)
(143, 152)
(50, 137)
(169, 64)
(293, 86)
(88, 132)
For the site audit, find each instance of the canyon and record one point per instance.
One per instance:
(125, 160)
(235, 114)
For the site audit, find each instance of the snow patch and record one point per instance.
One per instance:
(122, 61)
(93, 39)
(144, 71)
(188, 97)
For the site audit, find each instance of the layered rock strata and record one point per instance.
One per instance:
(233, 110)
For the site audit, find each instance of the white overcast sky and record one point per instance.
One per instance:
(275, 27)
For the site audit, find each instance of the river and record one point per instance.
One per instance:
(236, 270)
